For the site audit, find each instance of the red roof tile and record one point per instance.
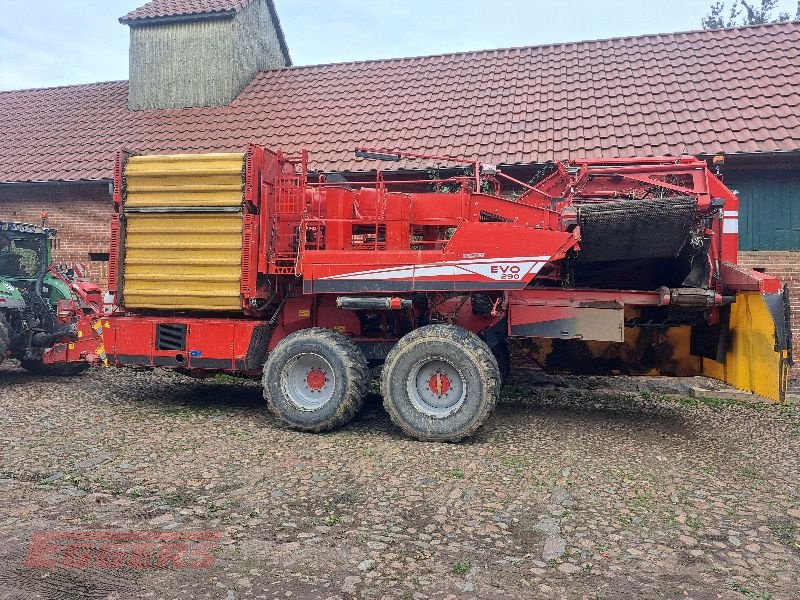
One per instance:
(161, 9)
(733, 90)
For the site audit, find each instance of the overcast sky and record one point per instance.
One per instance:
(57, 42)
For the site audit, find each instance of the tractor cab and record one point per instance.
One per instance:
(24, 251)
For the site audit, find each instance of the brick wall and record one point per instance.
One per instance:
(786, 266)
(80, 212)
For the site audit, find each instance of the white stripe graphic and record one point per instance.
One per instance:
(520, 266)
(730, 226)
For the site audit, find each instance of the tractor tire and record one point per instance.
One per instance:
(440, 383)
(315, 380)
(71, 369)
(5, 339)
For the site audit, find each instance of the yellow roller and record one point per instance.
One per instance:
(183, 232)
(183, 260)
(184, 180)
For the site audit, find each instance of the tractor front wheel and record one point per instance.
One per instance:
(5, 338)
(440, 383)
(315, 380)
(69, 369)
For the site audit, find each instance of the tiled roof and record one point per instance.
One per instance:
(161, 9)
(732, 91)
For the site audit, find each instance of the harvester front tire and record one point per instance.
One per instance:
(70, 369)
(440, 383)
(5, 338)
(315, 380)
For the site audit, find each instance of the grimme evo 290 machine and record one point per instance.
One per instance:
(240, 263)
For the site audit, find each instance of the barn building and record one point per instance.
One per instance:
(213, 75)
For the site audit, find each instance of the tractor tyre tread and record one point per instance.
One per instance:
(37, 367)
(5, 338)
(352, 362)
(476, 351)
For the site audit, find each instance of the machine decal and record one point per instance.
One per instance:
(497, 269)
(731, 222)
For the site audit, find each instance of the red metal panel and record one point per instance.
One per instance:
(479, 256)
(113, 255)
(249, 256)
(212, 340)
(119, 165)
(210, 343)
(736, 278)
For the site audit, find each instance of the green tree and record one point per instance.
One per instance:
(742, 12)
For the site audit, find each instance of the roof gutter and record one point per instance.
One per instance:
(778, 154)
(71, 182)
(144, 21)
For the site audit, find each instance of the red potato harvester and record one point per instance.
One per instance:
(245, 263)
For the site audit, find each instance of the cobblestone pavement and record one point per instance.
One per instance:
(564, 493)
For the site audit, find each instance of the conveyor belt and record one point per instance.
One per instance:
(635, 229)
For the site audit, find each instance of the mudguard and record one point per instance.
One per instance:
(10, 297)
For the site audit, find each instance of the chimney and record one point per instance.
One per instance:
(200, 52)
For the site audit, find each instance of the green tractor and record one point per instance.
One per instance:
(45, 312)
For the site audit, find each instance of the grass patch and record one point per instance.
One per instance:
(715, 403)
(643, 501)
(214, 506)
(225, 378)
(332, 519)
(694, 522)
(783, 529)
(751, 472)
(462, 567)
(750, 593)
(518, 463)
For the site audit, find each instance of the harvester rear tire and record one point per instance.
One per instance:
(5, 338)
(315, 380)
(71, 369)
(440, 383)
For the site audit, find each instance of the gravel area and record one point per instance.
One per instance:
(563, 493)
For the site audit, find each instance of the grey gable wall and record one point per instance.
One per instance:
(202, 61)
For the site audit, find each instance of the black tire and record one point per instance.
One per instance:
(70, 369)
(503, 358)
(324, 352)
(5, 338)
(460, 362)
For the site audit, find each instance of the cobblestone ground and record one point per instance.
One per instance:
(573, 494)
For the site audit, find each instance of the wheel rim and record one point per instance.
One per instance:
(436, 388)
(308, 381)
